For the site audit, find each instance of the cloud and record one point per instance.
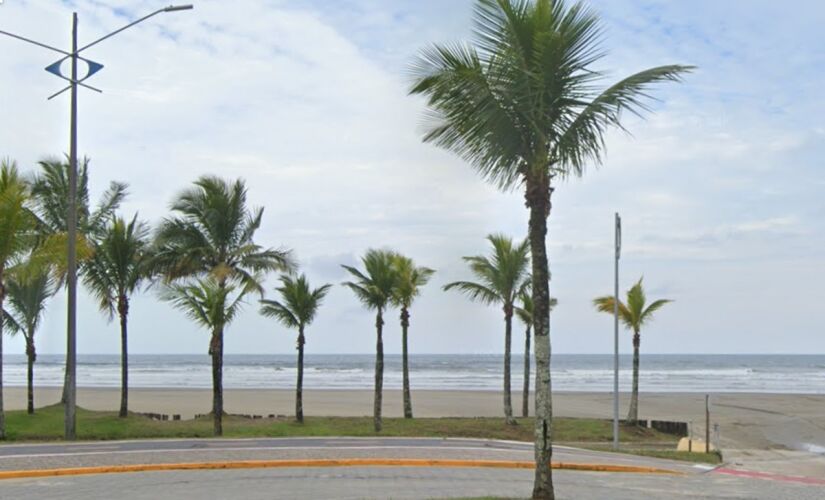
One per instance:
(308, 102)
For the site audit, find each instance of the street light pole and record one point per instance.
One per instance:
(71, 279)
(70, 388)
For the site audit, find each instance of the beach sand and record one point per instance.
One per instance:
(778, 432)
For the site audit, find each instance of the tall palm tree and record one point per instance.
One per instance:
(17, 226)
(374, 288)
(525, 314)
(212, 306)
(298, 306)
(27, 294)
(117, 268)
(411, 279)
(634, 313)
(522, 104)
(501, 278)
(212, 235)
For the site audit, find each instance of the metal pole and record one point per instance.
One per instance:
(617, 240)
(71, 278)
(707, 423)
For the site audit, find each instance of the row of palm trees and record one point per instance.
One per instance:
(206, 261)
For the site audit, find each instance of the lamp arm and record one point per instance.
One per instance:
(33, 42)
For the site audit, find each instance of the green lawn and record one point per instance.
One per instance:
(47, 425)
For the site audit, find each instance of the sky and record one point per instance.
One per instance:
(720, 189)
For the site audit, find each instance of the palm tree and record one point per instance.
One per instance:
(212, 235)
(27, 297)
(525, 314)
(501, 278)
(522, 105)
(298, 306)
(213, 306)
(17, 226)
(50, 194)
(410, 281)
(634, 315)
(116, 270)
(374, 288)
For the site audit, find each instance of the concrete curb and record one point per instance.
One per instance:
(348, 462)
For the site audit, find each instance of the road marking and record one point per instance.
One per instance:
(770, 476)
(349, 462)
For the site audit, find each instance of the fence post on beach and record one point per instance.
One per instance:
(690, 436)
(707, 423)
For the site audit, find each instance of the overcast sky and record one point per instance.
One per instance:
(721, 190)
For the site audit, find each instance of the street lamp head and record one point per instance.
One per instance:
(175, 8)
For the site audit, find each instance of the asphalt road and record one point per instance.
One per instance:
(362, 482)
(398, 483)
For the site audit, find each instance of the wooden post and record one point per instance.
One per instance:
(707, 423)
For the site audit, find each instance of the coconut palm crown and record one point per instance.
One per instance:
(212, 232)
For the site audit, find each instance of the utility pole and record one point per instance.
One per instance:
(618, 251)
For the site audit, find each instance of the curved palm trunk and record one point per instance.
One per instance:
(216, 350)
(299, 389)
(31, 357)
(2, 412)
(123, 311)
(508, 334)
(405, 324)
(633, 413)
(525, 397)
(538, 201)
(379, 370)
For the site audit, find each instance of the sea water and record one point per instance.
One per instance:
(571, 372)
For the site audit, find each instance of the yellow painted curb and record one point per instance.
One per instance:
(344, 462)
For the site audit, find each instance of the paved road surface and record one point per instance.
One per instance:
(362, 482)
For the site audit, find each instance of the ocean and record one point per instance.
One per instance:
(801, 374)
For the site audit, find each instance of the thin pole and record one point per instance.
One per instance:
(707, 423)
(617, 239)
(71, 279)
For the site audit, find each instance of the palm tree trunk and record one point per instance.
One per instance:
(525, 398)
(508, 334)
(123, 311)
(216, 350)
(379, 370)
(405, 324)
(2, 413)
(633, 414)
(299, 390)
(538, 200)
(31, 356)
